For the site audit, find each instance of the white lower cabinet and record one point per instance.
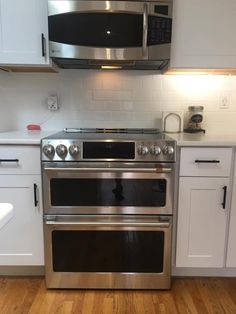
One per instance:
(21, 239)
(202, 220)
(231, 252)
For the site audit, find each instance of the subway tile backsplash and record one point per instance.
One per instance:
(90, 98)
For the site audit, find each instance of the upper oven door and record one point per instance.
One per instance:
(108, 188)
(110, 30)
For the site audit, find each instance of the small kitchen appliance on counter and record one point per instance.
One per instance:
(108, 207)
(194, 119)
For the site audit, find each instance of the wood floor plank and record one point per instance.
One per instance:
(183, 298)
(209, 297)
(88, 303)
(149, 305)
(108, 304)
(188, 295)
(230, 286)
(222, 295)
(43, 300)
(123, 302)
(164, 302)
(22, 292)
(193, 287)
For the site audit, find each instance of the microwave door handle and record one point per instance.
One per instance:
(145, 30)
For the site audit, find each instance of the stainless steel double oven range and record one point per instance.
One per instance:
(108, 204)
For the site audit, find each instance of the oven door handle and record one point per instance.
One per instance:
(109, 224)
(149, 170)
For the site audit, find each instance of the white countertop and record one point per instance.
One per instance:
(200, 139)
(23, 137)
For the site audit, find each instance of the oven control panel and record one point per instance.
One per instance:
(108, 150)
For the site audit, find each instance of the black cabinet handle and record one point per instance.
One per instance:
(199, 161)
(43, 45)
(35, 195)
(9, 160)
(224, 197)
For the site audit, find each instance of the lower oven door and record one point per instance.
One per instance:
(102, 252)
(108, 188)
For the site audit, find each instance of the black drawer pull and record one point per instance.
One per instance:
(224, 197)
(199, 161)
(9, 160)
(36, 195)
(43, 45)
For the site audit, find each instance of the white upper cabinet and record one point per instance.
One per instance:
(203, 34)
(23, 32)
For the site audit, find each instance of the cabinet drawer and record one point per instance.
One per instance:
(205, 162)
(19, 159)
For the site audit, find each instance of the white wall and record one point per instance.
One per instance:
(112, 99)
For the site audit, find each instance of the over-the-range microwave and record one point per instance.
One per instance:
(128, 34)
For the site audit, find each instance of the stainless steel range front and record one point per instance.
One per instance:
(108, 204)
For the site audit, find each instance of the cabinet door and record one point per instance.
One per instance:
(203, 34)
(201, 222)
(22, 24)
(21, 239)
(231, 252)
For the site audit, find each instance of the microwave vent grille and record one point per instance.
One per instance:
(66, 63)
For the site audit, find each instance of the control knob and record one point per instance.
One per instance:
(61, 150)
(74, 150)
(143, 150)
(155, 150)
(168, 150)
(48, 150)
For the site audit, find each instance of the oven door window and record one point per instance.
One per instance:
(108, 192)
(108, 251)
(104, 30)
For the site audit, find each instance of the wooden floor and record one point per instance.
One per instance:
(198, 295)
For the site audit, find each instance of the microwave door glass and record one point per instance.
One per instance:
(105, 30)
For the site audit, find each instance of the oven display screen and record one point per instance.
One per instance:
(109, 150)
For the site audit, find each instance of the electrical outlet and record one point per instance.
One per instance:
(224, 102)
(52, 103)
